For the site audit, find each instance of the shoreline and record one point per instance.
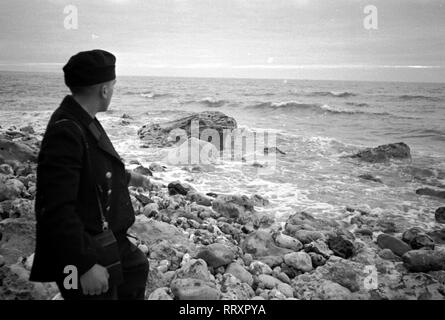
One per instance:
(227, 245)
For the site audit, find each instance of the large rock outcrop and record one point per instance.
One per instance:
(166, 134)
(384, 153)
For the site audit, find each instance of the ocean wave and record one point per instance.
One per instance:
(333, 94)
(293, 105)
(148, 94)
(209, 102)
(357, 104)
(408, 97)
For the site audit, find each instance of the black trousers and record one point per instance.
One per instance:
(135, 271)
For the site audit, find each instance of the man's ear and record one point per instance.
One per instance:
(104, 91)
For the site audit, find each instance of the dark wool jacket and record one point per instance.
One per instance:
(67, 210)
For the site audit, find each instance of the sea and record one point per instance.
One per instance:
(317, 125)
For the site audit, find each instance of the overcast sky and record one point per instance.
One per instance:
(304, 39)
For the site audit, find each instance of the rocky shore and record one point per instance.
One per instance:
(203, 245)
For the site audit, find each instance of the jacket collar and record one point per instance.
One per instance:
(72, 107)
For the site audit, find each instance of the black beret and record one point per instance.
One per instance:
(90, 67)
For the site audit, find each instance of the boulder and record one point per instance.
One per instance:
(411, 233)
(177, 187)
(199, 198)
(233, 206)
(10, 150)
(152, 232)
(370, 177)
(299, 261)
(216, 255)
(422, 241)
(440, 215)
(286, 289)
(384, 153)
(17, 238)
(156, 167)
(431, 192)
(167, 133)
(260, 243)
(386, 241)
(319, 247)
(194, 289)
(288, 242)
(424, 260)
(143, 170)
(341, 246)
(438, 236)
(317, 259)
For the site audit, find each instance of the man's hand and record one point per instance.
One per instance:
(95, 280)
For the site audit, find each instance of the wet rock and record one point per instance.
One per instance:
(240, 273)
(411, 233)
(370, 177)
(341, 246)
(216, 255)
(319, 247)
(194, 289)
(440, 215)
(306, 236)
(232, 206)
(384, 153)
(177, 187)
(317, 259)
(150, 210)
(424, 260)
(438, 236)
(10, 150)
(431, 192)
(422, 241)
(156, 167)
(27, 129)
(143, 170)
(166, 134)
(299, 260)
(259, 201)
(387, 254)
(268, 150)
(386, 241)
(260, 243)
(288, 242)
(199, 198)
(160, 294)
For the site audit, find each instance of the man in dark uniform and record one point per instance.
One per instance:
(79, 173)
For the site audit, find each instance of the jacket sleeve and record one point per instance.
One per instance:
(58, 176)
